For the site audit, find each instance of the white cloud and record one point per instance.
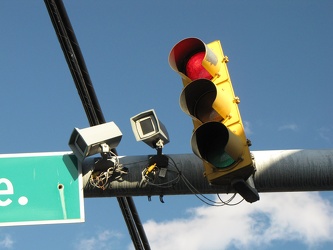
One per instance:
(6, 242)
(291, 126)
(304, 217)
(247, 128)
(101, 240)
(325, 133)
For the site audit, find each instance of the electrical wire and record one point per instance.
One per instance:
(201, 196)
(147, 181)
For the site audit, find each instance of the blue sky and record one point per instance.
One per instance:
(280, 64)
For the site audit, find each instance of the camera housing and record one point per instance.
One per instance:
(90, 141)
(147, 128)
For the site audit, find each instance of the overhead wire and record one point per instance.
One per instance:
(78, 69)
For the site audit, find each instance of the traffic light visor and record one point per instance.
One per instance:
(216, 144)
(185, 56)
(202, 100)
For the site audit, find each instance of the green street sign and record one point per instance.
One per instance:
(40, 188)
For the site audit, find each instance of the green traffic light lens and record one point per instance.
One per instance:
(210, 142)
(219, 158)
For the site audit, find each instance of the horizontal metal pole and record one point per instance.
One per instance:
(293, 170)
(276, 171)
(179, 167)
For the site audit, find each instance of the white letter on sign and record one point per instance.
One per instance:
(8, 190)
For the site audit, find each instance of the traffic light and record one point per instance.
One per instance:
(219, 138)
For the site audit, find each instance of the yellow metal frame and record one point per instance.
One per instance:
(225, 104)
(244, 165)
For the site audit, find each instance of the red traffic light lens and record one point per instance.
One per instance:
(194, 68)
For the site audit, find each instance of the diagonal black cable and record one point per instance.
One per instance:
(77, 66)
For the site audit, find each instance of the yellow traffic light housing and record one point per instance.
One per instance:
(208, 97)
